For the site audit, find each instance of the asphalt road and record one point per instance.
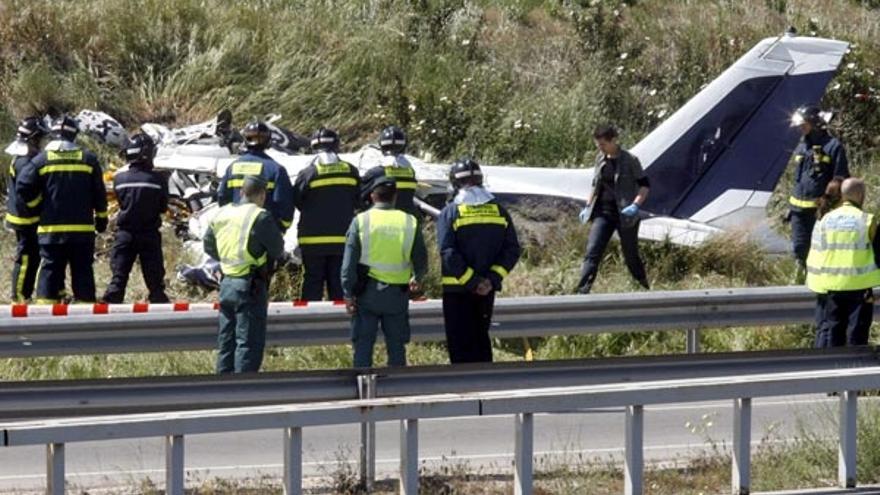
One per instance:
(672, 433)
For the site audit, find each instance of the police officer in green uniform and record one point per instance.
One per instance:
(817, 159)
(842, 269)
(385, 258)
(247, 240)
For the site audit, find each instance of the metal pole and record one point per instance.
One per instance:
(846, 464)
(174, 472)
(367, 390)
(409, 457)
(293, 461)
(693, 341)
(524, 440)
(634, 456)
(742, 443)
(55, 469)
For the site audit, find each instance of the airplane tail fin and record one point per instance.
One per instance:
(726, 148)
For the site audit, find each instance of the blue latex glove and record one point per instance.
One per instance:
(584, 215)
(630, 211)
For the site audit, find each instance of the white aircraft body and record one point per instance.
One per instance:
(712, 165)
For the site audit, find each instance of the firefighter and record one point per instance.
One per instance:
(247, 241)
(326, 194)
(21, 217)
(385, 260)
(65, 182)
(143, 198)
(394, 164)
(478, 248)
(842, 269)
(817, 159)
(279, 200)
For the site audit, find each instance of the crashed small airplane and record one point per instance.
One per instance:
(713, 164)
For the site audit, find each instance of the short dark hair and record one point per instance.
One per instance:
(385, 193)
(252, 186)
(606, 132)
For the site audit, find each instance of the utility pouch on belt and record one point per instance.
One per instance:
(363, 276)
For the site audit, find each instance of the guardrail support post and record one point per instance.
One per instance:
(55, 469)
(846, 464)
(367, 390)
(409, 457)
(634, 461)
(293, 461)
(693, 341)
(522, 463)
(174, 472)
(742, 444)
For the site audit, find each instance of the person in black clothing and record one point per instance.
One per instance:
(19, 216)
(326, 194)
(66, 181)
(143, 198)
(620, 188)
(478, 248)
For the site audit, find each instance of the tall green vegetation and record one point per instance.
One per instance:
(513, 81)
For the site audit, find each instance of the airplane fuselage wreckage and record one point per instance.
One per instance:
(712, 164)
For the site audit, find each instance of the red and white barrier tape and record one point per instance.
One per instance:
(41, 310)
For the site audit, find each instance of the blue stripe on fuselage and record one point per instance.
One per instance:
(749, 152)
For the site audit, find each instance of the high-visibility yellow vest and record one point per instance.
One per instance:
(232, 229)
(387, 238)
(841, 255)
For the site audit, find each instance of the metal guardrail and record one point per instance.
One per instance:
(690, 310)
(521, 403)
(69, 398)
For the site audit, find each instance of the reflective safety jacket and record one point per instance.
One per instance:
(279, 192)
(66, 184)
(842, 253)
(243, 237)
(476, 240)
(326, 195)
(404, 175)
(817, 160)
(19, 215)
(143, 198)
(386, 239)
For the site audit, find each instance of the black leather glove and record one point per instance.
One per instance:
(101, 225)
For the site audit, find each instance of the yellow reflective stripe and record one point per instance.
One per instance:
(500, 270)
(286, 223)
(22, 273)
(51, 229)
(49, 169)
(461, 222)
(101, 214)
(825, 159)
(333, 181)
(333, 168)
(247, 168)
(802, 203)
(322, 239)
(34, 202)
(236, 183)
(21, 220)
(76, 155)
(450, 280)
(43, 300)
(406, 185)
